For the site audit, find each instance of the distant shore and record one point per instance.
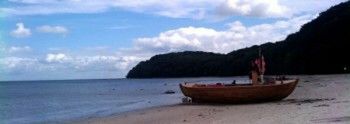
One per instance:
(317, 99)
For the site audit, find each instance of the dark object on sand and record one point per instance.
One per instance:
(169, 92)
(239, 93)
(186, 100)
(234, 82)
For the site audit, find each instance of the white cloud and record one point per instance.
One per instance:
(197, 9)
(17, 49)
(298, 7)
(94, 62)
(66, 64)
(52, 29)
(258, 8)
(33, 1)
(205, 39)
(60, 58)
(21, 31)
(13, 64)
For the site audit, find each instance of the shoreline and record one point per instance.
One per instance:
(83, 120)
(316, 99)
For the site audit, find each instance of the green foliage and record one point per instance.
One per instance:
(320, 47)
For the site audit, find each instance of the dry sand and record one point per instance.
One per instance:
(317, 99)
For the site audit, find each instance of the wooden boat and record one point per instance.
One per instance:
(239, 93)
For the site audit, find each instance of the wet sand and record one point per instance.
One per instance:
(317, 99)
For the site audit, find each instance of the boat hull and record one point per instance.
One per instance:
(239, 93)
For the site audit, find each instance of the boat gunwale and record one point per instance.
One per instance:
(238, 86)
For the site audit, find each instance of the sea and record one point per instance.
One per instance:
(58, 101)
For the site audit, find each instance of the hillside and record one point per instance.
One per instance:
(320, 47)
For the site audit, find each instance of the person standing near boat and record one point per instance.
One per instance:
(254, 73)
(261, 66)
(258, 69)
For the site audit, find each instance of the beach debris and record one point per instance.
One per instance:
(303, 101)
(201, 115)
(186, 100)
(322, 105)
(346, 101)
(216, 110)
(332, 120)
(321, 85)
(169, 92)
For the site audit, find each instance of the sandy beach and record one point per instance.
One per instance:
(317, 99)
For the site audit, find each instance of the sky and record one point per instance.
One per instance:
(98, 39)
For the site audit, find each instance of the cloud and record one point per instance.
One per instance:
(60, 58)
(21, 31)
(257, 8)
(18, 49)
(174, 8)
(52, 29)
(64, 66)
(196, 9)
(94, 62)
(18, 64)
(298, 7)
(236, 36)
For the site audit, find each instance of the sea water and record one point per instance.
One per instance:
(61, 100)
